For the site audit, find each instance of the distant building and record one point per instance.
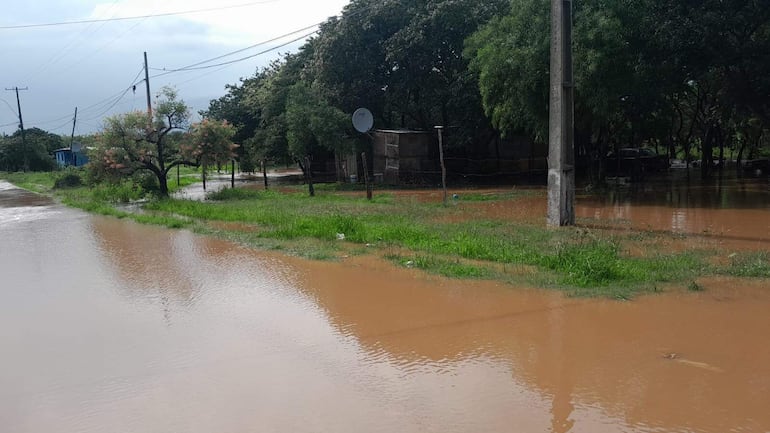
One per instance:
(68, 157)
(408, 156)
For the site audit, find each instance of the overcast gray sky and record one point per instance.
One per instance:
(89, 65)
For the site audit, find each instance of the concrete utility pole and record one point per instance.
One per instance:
(21, 126)
(561, 150)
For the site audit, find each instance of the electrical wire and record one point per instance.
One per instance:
(10, 107)
(64, 52)
(166, 14)
(113, 100)
(188, 68)
(245, 49)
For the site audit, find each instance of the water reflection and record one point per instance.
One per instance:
(730, 212)
(597, 362)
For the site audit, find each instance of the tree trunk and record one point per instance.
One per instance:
(163, 185)
(309, 177)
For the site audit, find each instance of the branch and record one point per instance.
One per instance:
(182, 162)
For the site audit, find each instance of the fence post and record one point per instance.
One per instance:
(366, 177)
(439, 129)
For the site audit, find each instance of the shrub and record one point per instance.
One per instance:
(69, 179)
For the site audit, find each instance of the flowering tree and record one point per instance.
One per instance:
(132, 141)
(210, 142)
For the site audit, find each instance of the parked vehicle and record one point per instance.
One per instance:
(634, 162)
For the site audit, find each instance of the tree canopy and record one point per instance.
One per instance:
(684, 77)
(134, 141)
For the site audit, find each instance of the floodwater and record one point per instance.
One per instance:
(730, 213)
(106, 325)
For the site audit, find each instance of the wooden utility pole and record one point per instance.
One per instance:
(21, 126)
(147, 85)
(72, 138)
(561, 150)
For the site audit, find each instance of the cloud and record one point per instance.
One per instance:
(80, 65)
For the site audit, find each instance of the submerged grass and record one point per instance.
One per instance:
(754, 265)
(582, 262)
(334, 223)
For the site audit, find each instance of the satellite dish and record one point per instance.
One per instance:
(363, 120)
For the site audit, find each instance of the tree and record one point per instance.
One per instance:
(36, 149)
(132, 141)
(403, 60)
(313, 123)
(210, 142)
(232, 107)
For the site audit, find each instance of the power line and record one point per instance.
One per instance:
(166, 14)
(196, 68)
(111, 101)
(246, 48)
(62, 53)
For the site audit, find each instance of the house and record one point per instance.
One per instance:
(73, 156)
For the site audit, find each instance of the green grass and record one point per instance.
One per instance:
(577, 260)
(581, 263)
(33, 181)
(754, 265)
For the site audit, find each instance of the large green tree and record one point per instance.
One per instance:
(33, 152)
(403, 60)
(647, 72)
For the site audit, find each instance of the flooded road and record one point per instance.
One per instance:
(106, 325)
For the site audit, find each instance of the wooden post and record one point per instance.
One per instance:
(264, 172)
(232, 174)
(309, 177)
(366, 177)
(441, 159)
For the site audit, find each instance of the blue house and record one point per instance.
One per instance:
(71, 156)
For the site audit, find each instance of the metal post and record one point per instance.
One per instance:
(561, 153)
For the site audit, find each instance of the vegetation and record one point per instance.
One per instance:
(452, 241)
(132, 142)
(681, 76)
(688, 79)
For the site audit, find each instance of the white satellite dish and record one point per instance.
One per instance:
(363, 120)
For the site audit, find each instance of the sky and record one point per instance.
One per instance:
(93, 66)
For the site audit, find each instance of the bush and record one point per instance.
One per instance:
(69, 179)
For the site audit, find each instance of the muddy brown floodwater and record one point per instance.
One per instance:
(109, 326)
